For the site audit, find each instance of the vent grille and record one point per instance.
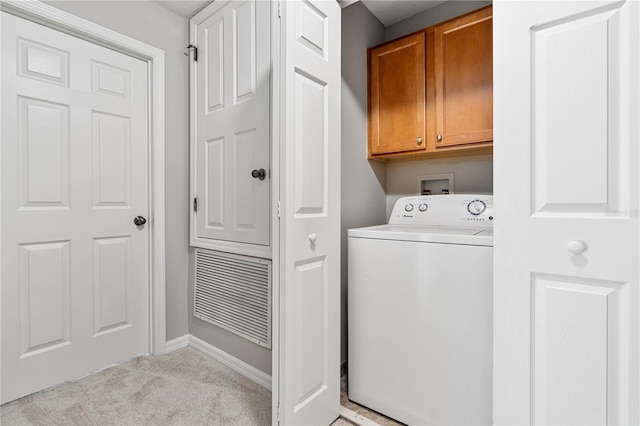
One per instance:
(234, 293)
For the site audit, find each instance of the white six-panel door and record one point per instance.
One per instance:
(567, 136)
(75, 268)
(309, 349)
(232, 123)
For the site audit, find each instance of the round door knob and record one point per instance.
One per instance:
(313, 237)
(419, 140)
(439, 137)
(576, 247)
(259, 174)
(139, 220)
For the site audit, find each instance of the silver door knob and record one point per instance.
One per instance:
(259, 174)
(139, 220)
(439, 137)
(419, 141)
(576, 247)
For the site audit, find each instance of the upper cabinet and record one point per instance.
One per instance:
(431, 93)
(396, 88)
(464, 80)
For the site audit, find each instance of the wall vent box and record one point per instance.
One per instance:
(436, 184)
(234, 292)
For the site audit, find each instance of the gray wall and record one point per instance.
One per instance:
(473, 174)
(154, 25)
(249, 352)
(370, 188)
(363, 181)
(435, 15)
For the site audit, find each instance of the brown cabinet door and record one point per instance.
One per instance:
(397, 96)
(464, 80)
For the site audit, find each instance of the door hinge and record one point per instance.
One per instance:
(195, 205)
(278, 209)
(279, 10)
(195, 51)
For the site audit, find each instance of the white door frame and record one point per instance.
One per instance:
(70, 24)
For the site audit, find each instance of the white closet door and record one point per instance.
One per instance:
(75, 267)
(309, 350)
(567, 136)
(232, 101)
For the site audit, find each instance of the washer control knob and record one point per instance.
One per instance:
(476, 207)
(576, 247)
(408, 207)
(423, 207)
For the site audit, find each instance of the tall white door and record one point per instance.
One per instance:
(232, 105)
(309, 350)
(567, 136)
(75, 267)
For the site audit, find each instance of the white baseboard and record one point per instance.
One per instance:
(178, 343)
(230, 361)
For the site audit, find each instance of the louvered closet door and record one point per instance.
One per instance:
(75, 284)
(233, 127)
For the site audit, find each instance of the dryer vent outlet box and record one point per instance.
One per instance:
(234, 292)
(436, 184)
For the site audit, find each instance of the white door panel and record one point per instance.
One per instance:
(233, 123)
(566, 292)
(310, 224)
(75, 268)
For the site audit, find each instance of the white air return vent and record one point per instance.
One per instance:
(234, 293)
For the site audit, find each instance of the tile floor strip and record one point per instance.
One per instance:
(356, 418)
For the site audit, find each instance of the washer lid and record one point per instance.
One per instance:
(428, 234)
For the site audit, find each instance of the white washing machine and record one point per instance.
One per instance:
(420, 311)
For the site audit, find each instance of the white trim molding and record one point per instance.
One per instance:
(230, 361)
(177, 344)
(52, 17)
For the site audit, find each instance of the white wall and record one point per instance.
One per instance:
(154, 25)
(363, 181)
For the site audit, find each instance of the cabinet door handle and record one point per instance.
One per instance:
(419, 140)
(439, 137)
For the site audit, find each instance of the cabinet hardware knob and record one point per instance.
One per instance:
(576, 247)
(439, 137)
(419, 141)
(313, 237)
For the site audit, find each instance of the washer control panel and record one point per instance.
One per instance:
(476, 207)
(461, 210)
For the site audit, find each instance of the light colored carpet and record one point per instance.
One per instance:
(182, 388)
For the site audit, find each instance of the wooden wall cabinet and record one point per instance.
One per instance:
(442, 94)
(396, 90)
(463, 61)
